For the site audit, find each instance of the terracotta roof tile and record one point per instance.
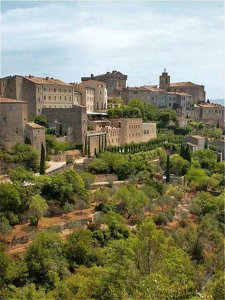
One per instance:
(187, 83)
(209, 105)
(47, 80)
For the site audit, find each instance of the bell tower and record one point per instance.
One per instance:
(164, 81)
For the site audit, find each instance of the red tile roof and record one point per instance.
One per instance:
(209, 105)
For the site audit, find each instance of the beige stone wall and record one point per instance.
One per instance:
(131, 130)
(211, 115)
(13, 117)
(196, 91)
(100, 99)
(114, 136)
(96, 141)
(148, 131)
(36, 136)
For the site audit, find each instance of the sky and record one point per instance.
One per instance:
(71, 39)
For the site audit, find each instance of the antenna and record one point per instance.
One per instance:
(164, 70)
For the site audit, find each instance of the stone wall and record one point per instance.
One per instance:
(74, 121)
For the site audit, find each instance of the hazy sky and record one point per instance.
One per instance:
(70, 39)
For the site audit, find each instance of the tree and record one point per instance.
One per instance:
(188, 154)
(132, 201)
(10, 198)
(168, 168)
(45, 259)
(179, 166)
(81, 204)
(21, 175)
(42, 161)
(38, 207)
(41, 120)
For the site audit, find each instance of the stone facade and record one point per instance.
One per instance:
(13, 118)
(73, 120)
(119, 132)
(87, 95)
(220, 144)
(100, 99)
(36, 135)
(210, 113)
(114, 81)
(196, 142)
(38, 92)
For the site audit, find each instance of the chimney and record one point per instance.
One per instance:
(47, 78)
(92, 75)
(29, 76)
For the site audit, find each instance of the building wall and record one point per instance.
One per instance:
(113, 136)
(74, 121)
(210, 114)
(196, 91)
(100, 99)
(114, 80)
(201, 143)
(13, 117)
(96, 142)
(148, 131)
(36, 136)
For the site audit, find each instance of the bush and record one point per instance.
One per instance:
(105, 207)
(161, 218)
(13, 218)
(68, 207)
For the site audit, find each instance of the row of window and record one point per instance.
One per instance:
(134, 134)
(215, 111)
(54, 90)
(114, 132)
(134, 126)
(57, 106)
(54, 98)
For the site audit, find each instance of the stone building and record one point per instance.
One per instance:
(196, 142)
(210, 113)
(73, 122)
(87, 95)
(38, 92)
(13, 119)
(197, 91)
(115, 81)
(35, 134)
(100, 98)
(220, 145)
(149, 94)
(116, 132)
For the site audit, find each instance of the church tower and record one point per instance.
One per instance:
(164, 81)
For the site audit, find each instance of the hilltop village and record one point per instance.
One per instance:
(80, 112)
(109, 191)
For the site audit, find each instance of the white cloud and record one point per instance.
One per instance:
(94, 38)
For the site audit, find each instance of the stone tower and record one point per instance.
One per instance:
(164, 81)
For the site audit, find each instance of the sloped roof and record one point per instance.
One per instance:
(187, 83)
(11, 100)
(35, 125)
(46, 80)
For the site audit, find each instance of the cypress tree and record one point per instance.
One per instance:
(168, 169)
(187, 154)
(89, 147)
(42, 161)
(182, 151)
(218, 124)
(60, 129)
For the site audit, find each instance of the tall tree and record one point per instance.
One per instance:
(168, 168)
(188, 154)
(60, 129)
(42, 161)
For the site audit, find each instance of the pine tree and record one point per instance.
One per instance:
(42, 161)
(89, 147)
(168, 169)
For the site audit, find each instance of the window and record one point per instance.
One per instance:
(65, 90)
(54, 90)
(44, 89)
(65, 98)
(49, 97)
(4, 119)
(55, 97)
(60, 97)
(60, 90)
